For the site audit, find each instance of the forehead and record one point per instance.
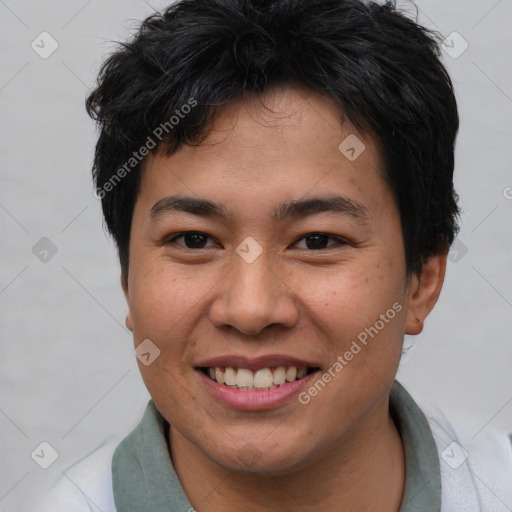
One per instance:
(289, 142)
(289, 116)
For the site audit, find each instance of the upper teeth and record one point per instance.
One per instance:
(264, 378)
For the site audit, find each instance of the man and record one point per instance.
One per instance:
(277, 176)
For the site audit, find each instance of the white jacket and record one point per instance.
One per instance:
(475, 477)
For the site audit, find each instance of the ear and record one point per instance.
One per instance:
(124, 285)
(424, 290)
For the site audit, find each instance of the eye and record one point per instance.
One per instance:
(318, 241)
(198, 240)
(192, 240)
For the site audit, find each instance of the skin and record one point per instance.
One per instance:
(342, 450)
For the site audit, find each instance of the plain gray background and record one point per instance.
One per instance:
(67, 372)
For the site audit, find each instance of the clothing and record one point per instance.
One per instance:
(439, 477)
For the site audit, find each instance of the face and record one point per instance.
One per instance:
(260, 255)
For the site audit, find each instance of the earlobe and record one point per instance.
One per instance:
(124, 285)
(128, 322)
(424, 291)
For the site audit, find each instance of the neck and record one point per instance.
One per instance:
(367, 472)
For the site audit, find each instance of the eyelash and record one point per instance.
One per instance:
(175, 237)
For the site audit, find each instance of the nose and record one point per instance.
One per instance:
(254, 296)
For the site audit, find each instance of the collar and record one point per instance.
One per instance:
(144, 479)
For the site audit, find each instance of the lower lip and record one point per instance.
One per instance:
(255, 400)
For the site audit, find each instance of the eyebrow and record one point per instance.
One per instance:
(289, 209)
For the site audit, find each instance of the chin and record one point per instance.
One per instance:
(268, 460)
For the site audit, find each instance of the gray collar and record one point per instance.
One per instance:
(144, 479)
(422, 491)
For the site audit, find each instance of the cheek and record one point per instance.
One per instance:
(361, 313)
(161, 301)
(352, 295)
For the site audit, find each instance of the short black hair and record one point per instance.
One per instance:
(379, 65)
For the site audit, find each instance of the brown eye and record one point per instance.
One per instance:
(191, 239)
(319, 241)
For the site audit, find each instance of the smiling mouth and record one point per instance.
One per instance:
(262, 379)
